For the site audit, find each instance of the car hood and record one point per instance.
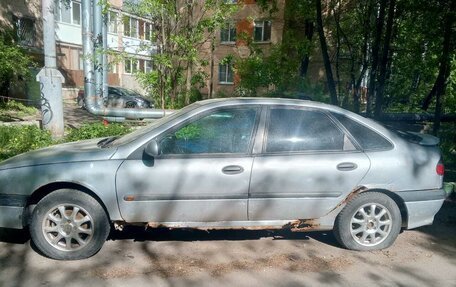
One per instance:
(86, 150)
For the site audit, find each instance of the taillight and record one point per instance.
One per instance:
(440, 169)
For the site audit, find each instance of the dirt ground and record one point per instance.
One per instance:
(160, 257)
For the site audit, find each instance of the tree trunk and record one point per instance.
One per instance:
(324, 52)
(438, 89)
(384, 60)
(444, 68)
(309, 31)
(188, 83)
(211, 71)
(375, 55)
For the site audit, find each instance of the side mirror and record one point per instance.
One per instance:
(152, 148)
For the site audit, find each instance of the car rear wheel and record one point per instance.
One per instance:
(69, 225)
(370, 221)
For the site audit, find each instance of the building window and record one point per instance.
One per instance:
(148, 31)
(225, 73)
(25, 30)
(81, 61)
(130, 26)
(76, 13)
(112, 22)
(262, 31)
(131, 66)
(67, 12)
(228, 33)
(147, 66)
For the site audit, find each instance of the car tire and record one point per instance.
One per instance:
(69, 225)
(370, 221)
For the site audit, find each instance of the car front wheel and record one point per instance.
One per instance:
(370, 221)
(69, 225)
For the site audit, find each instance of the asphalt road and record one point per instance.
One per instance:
(138, 257)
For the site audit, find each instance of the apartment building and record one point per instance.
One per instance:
(263, 29)
(127, 34)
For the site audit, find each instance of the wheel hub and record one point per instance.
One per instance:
(68, 227)
(371, 224)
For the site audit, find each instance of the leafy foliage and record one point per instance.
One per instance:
(96, 130)
(14, 61)
(12, 109)
(18, 139)
(181, 29)
(15, 140)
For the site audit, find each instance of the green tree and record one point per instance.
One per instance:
(182, 29)
(14, 61)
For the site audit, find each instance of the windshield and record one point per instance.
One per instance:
(142, 131)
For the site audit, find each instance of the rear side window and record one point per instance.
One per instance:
(367, 138)
(291, 130)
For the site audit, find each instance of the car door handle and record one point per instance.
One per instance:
(232, 169)
(347, 166)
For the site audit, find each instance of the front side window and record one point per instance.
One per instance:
(262, 31)
(292, 130)
(228, 33)
(224, 131)
(226, 74)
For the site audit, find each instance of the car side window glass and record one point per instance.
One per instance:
(367, 138)
(291, 130)
(223, 131)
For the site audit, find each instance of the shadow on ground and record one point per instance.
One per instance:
(141, 234)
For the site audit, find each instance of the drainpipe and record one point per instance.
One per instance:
(98, 52)
(49, 77)
(94, 79)
(104, 30)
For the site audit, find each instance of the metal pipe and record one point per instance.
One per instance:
(92, 105)
(98, 51)
(104, 30)
(87, 50)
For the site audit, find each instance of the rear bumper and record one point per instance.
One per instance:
(12, 210)
(422, 206)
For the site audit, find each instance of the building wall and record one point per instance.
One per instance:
(27, 15)
(244, 20)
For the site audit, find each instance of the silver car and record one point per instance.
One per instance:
(228, 163)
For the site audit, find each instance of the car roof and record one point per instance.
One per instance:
(271, 101)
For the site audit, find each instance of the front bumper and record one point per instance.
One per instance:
(422, 206)
(12, 211)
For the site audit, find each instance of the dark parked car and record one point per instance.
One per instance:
(120, 98)
(228, 163)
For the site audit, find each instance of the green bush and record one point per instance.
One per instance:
(18, 107)
(96, 130)
(15, 140)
